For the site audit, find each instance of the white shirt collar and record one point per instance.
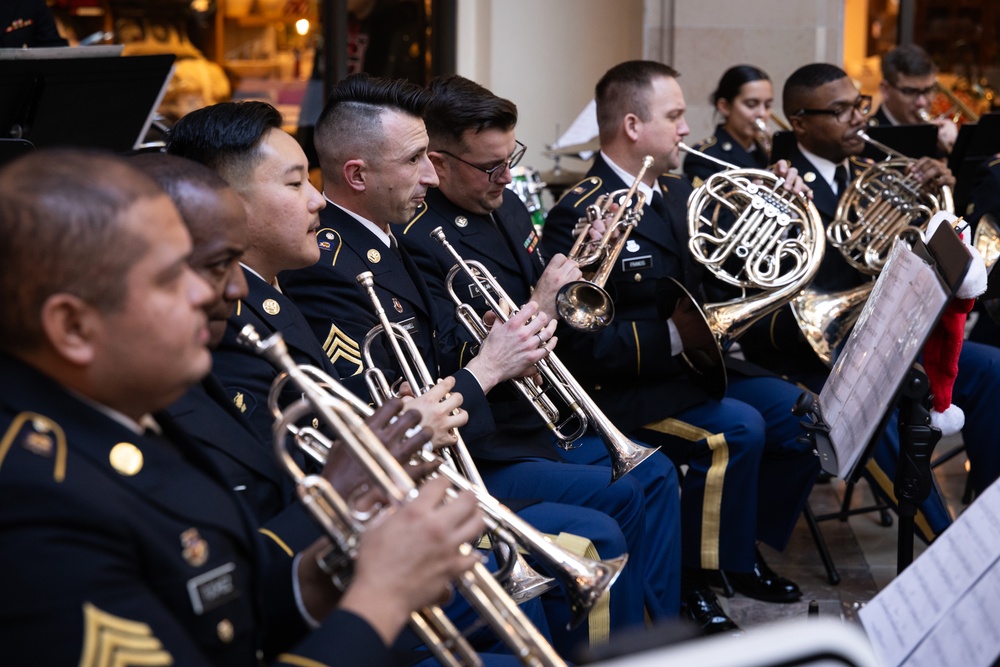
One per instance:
(825, 168)
(368, 224)
(250, 269)
(892, 119)
(629, 179)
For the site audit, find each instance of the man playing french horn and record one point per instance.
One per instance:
(826, 111)
(748, 477)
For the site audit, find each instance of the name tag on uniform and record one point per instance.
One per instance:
(410, 324)
(637, 263)
(475, 292)
(212, 589)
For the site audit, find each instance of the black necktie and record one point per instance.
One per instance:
(394, 247)
(658, 205)
(840, 178)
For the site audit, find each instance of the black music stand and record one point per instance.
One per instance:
(782, 144)
(911, 140)
(844, 412)
(976, 143)
(102, 102)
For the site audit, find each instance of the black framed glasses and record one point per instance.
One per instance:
(909, 91)
(842, 112)
(494, 172)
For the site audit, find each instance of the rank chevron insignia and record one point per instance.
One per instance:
(339, 345)
(112, 640)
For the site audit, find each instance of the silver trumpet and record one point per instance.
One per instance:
(625, 454)
(521, 581)
(338, 410)
(584, 304)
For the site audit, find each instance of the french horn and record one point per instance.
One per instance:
(752, 234)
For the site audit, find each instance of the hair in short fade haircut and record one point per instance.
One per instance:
(803, 81)
(624, 89)
(908, 60)
(458, 105)
(225, 137)
(350, 124)
(61, 224)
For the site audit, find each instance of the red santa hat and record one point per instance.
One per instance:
(943, 347)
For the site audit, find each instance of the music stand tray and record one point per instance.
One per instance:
(102, 102)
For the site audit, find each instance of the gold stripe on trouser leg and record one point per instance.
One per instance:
(599, 620)
(711, 507)
(887, 486)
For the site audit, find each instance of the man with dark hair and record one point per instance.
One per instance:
(110, 333)
(826, 111)
(748, 477)
(907, 87)
(472, 147)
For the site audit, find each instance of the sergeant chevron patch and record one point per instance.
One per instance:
(339, 345)
(112, 640)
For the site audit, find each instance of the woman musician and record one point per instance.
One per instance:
(743, 98)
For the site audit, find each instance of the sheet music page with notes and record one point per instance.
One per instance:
(900, 313)
(944, 609)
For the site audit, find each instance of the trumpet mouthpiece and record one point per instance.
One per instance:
(249, 337)
(761, 125)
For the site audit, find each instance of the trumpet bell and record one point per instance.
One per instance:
(585, 306)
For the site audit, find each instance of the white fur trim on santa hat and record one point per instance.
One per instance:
(974, 283)
(950, 421)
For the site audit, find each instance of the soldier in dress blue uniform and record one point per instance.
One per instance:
(473, 145)
(743, 97)
(748, 477)
(372, 147)
(825, 111)
(98, 538)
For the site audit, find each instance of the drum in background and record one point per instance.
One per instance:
(528, 185)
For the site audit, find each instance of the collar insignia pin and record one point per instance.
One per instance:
(461, 221)
(374, 256)
(809, 177)
(397, 305)
(271, 307)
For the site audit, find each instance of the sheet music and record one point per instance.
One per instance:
(903, 307)
(944, 609)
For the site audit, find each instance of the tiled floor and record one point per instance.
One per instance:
(863, 550)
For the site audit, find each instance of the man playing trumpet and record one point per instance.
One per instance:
(372, 147)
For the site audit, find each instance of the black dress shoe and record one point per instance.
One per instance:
(764, 584)
(703, 608)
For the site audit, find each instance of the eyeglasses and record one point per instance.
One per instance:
(494, 172)
(909, 91)
(842, 112)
